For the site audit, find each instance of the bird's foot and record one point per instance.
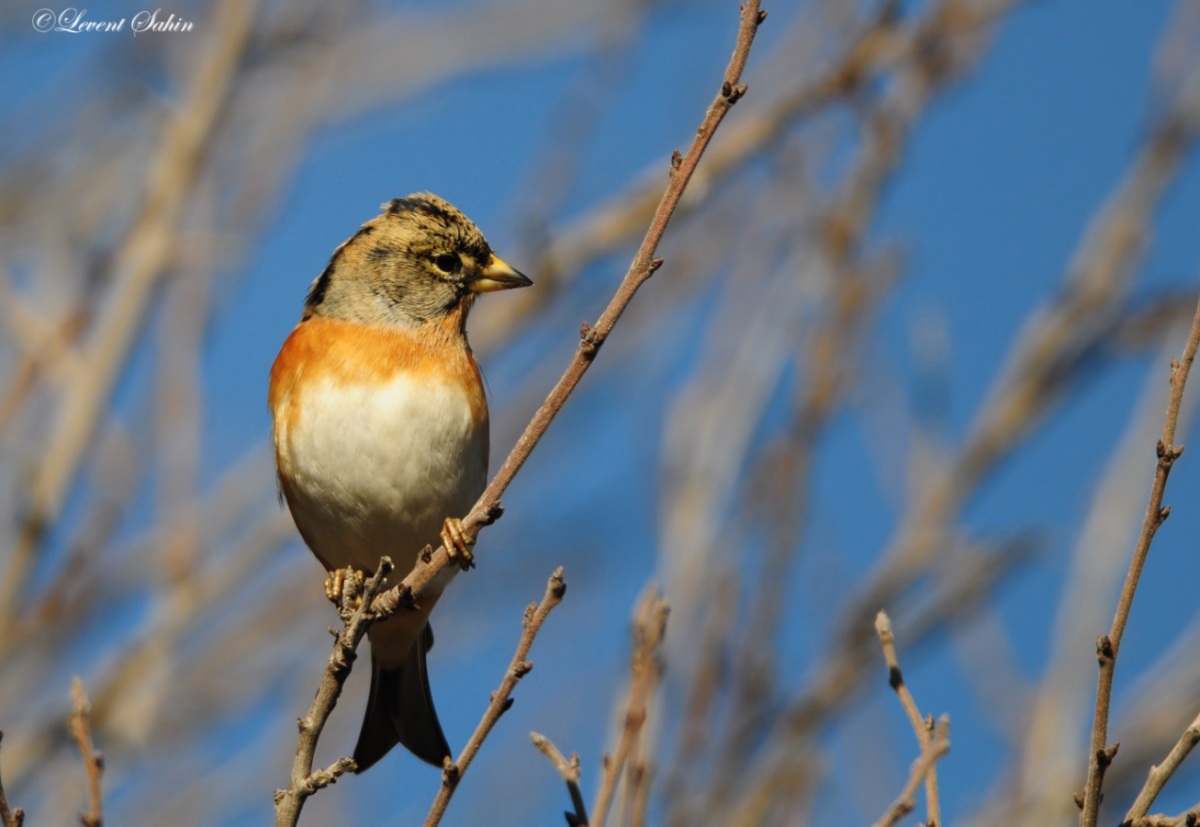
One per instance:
(344, 587)
(454, 538)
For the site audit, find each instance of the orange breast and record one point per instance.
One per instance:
(379, 435)
(342, 351)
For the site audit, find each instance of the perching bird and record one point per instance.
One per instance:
(381, 429)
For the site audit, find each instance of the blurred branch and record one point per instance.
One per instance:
(922, 727)
(139, 265)
(569, 770)
(44, 348)
(1043, 361)
(967, 580)
(887, 79)
(93, 762)
(649, 628)
(9, 816)
(501, 701)
(877, 46)
(155, 574)
(1108, 646)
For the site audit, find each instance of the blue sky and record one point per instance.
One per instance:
(1000, 179)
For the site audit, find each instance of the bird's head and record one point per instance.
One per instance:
(419, 261)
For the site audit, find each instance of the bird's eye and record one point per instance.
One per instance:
(448, 263)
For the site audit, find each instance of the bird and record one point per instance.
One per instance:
(380, 429)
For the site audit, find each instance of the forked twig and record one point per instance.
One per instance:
(304, 782)
(921, 726)
(569, 769)
(938, 746)
(488, 509)
(501, 701)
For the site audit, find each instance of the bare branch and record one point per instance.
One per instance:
(1161, 773)
(569, 770)
(488, 509)
(303, 782)
(1108, 646)
(938, 746)
(1188, 819)
(921, 726)
(649, 629)
(501, 702)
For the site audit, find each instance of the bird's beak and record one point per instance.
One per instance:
(496, 275)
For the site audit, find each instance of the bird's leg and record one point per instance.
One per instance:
(454, 538)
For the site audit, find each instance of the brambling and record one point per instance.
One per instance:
(381, 430)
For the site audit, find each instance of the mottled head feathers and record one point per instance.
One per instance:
(419, 261)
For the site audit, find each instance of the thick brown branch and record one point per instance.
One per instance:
(501, 700)
(1108, 646)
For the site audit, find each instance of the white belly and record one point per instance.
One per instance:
(375, 469)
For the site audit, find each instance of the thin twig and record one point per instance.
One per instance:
(487, 508)
(650, 627)
(304, 782)
(1187, 819)
(9, 816)
(1107, 647)
(938, 746)
(920, 725)
(501, 701)
(93, 762)
(1160, 773)
(569, 770)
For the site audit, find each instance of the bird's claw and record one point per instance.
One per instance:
(454, 538)
(343, 588)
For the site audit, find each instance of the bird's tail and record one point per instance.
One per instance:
(400, 711)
